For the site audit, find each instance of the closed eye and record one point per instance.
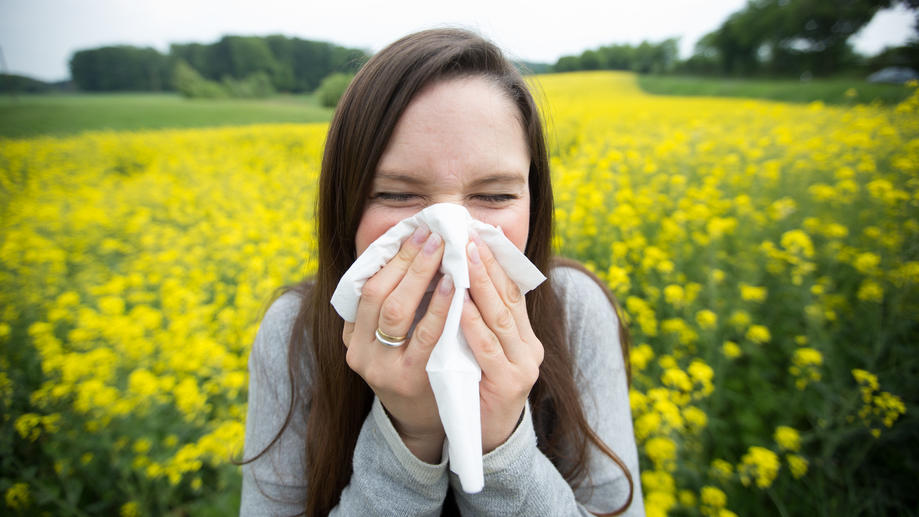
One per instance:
(394, 196)
(495, 198)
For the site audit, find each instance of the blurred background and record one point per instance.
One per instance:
(813, 50)
(743, 175)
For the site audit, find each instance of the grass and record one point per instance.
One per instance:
(25, 116)
(843, 91)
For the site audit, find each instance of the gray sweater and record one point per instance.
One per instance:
(390, 480)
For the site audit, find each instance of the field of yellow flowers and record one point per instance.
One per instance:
(766, 256)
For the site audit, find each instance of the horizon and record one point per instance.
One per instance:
(160, 24)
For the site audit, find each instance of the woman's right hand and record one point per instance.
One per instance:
(389, 300)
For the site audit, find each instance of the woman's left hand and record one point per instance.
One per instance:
(497, 327)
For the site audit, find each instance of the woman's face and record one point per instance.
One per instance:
(459, 141)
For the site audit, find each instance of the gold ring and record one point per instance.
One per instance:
(391, 341)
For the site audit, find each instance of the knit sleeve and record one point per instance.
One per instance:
(519, 479)
(387, 478)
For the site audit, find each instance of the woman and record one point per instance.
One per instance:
(340, 423)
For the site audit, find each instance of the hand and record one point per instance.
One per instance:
(389, 301)
(497, 327)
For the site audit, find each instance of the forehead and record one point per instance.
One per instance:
(465, 126)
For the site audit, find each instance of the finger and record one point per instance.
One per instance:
(398, 309)
(506, 288)
(431, 326)
(493, 310)
(482, 341)
(378, 287)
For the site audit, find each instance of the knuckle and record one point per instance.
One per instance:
(504, 320)
(419, 266)
(425, 336)
(406, 254)
(392, 313)
(472, 314)
(439, 308)
(352, 359)
(480, 279)
(530, 374)
(372, 291)
(539, 354)
(490, 344)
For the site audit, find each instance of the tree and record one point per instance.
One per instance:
(120, 68)
(647, 57)
(788, 37)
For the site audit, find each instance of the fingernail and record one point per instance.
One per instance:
(421, 233)
(445, 285)
(432, 244)
(473, 253)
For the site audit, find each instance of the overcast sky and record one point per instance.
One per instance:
(37, 37)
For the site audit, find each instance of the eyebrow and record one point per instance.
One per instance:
(491, 179)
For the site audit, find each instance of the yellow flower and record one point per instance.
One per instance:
(731, 350)
(686, 498)
(713, 497)
(870, 291)
(760, 466)
(640, 356)
(805, 366)
(662, 452)
(722, 469)
(787, 438)
(130, 509)
(752, 293)
(797, 465)
(657, 481)
(798, 243)
(695, 417)
(867, 263)
(878, 407)
(758, 334)
(739, 319)
(17, 496)
(706, 319)
(28, 425)
(676, 378)
(617, 279)
(674, 295)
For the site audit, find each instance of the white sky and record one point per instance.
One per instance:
(37, 37)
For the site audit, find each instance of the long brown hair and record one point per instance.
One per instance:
(358, 134)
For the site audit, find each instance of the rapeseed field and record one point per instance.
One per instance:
(765, 256)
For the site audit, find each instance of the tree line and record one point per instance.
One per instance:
(271, 63)
(765, 38)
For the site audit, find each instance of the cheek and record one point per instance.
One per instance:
(374, 223)
(514, 222)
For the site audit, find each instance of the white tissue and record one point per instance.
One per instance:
(452, 369)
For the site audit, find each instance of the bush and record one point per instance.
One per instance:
(190, 83)
(257, 85)
(332, 88)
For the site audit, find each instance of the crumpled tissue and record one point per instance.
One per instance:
(452, 369)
